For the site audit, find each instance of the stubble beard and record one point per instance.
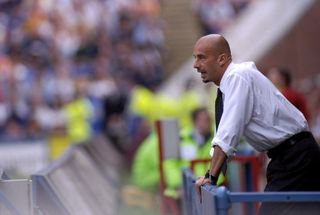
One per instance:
(205, 81)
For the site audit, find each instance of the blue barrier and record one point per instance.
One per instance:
(219, 200)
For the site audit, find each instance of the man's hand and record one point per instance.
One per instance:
(199, 182)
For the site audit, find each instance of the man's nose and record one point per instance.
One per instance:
(195, 64)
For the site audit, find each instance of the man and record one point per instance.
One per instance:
(195, 142)
(253, 108)
(282, 79)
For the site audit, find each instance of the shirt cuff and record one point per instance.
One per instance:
(228, 150)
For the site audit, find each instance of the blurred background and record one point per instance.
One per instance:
(72, 71)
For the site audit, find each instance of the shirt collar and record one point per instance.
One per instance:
(225, 74)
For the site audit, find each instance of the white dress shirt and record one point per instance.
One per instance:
(253, 108)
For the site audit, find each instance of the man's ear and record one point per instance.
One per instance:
(222, 59)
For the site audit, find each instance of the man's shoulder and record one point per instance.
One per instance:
(247, 65)
(242, 69)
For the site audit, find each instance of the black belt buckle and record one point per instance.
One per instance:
(290, 142)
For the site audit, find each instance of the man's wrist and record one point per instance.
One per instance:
(213, 179)
(207, 175)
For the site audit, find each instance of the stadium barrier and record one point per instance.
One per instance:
(84, 180)
(15, 197)
(219, 200)
(245, 167)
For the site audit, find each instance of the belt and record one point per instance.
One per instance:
(288, 143)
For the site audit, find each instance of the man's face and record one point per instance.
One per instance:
(204, 123)
(206, 63)
(276, 78)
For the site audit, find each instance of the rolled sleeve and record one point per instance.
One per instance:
(226, 148)
(238, 104)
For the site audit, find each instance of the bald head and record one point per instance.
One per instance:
(216, 43)
(212, 57)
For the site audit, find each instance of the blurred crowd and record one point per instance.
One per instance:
(81, 67)
(303, 93)
(85, 67)
(214, 15)
(310, 88)
(70, 65)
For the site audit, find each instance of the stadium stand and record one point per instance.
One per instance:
(43, 59)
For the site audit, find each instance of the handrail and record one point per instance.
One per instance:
(218, 200)
(274, 196)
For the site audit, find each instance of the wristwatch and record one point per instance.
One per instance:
(207, 175)
(213, 179)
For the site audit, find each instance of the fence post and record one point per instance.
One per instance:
(168, 145)
(222, 200)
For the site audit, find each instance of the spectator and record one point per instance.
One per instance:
(115, 119)
(195, 144)
(13, 129)
(282, 79)
(314, 102)
(48, 46)
(214, 15)
(79, 113)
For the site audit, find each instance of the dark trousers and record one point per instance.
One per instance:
(294, 166)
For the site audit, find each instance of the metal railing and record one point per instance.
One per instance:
(219, 200)
(85, 180)
(15, 197)
(78, 182)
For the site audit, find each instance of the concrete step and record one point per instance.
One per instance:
(181, 31)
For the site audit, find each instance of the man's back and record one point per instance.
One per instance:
(259, 108)
(297, 99)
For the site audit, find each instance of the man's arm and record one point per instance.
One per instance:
(217, 161)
